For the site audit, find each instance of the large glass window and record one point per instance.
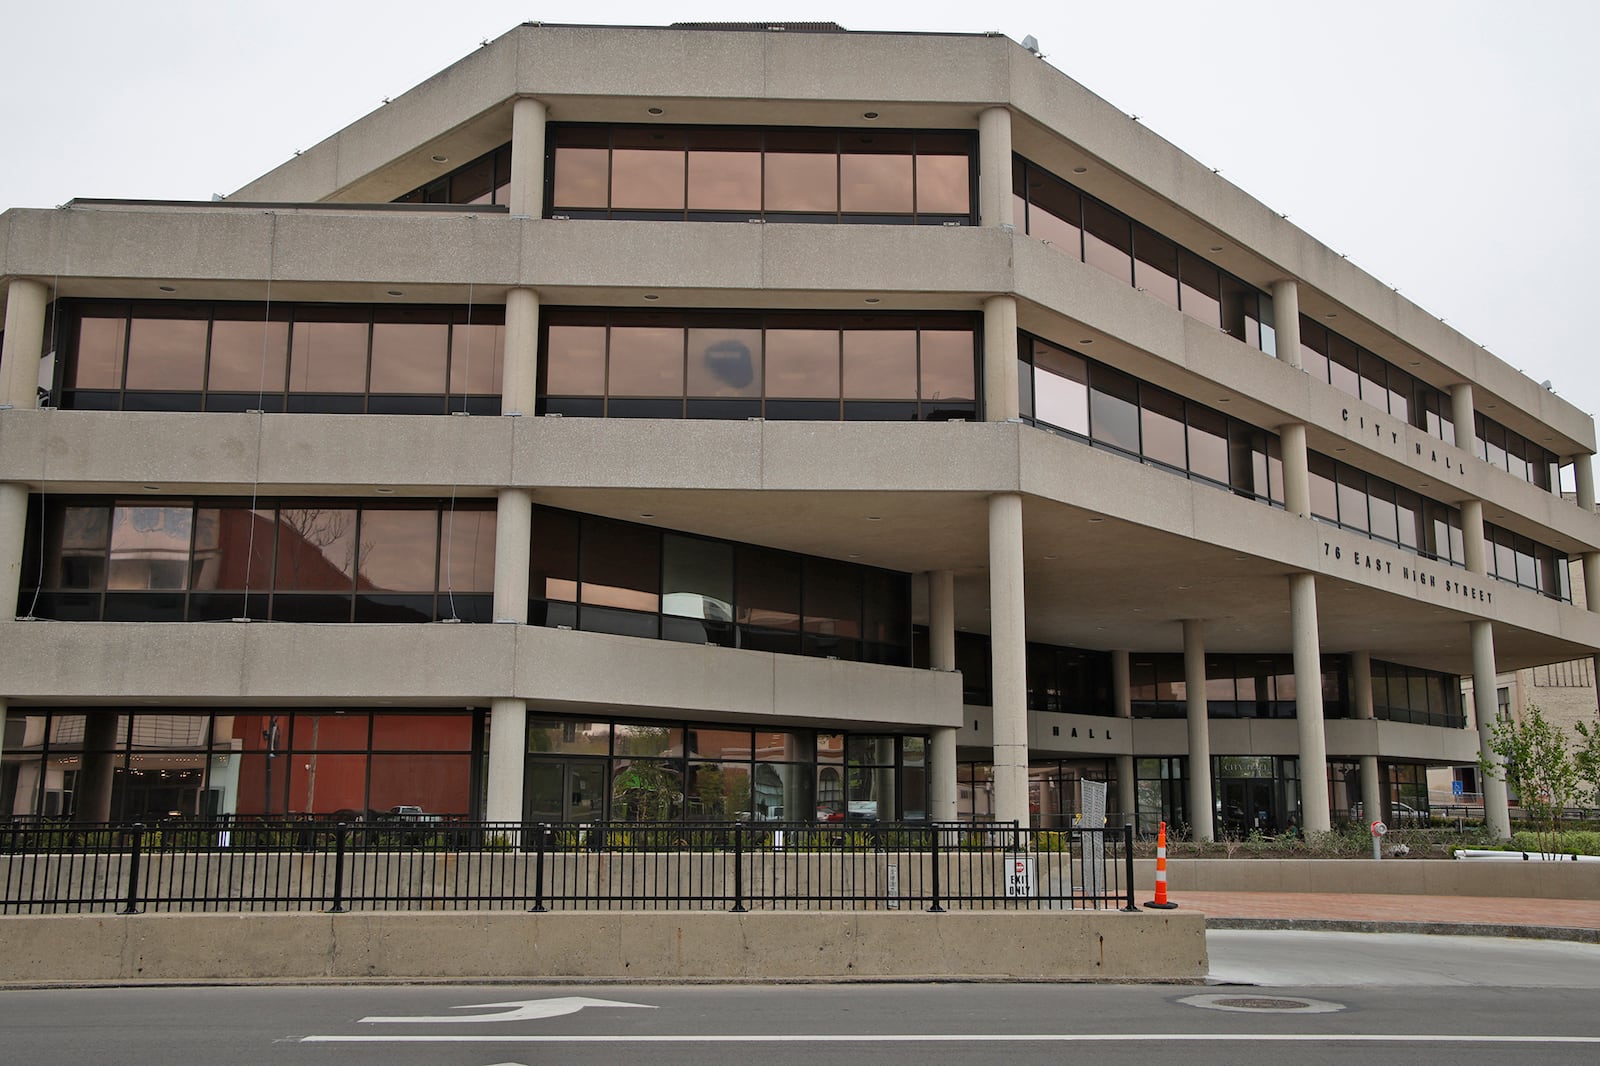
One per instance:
(484, 180)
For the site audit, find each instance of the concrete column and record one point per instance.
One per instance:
(1296, 469)
(508, 745)
(1591, 580)
(1286, 320)
(1496, 807)
(1000, 359)
(520, 381)
(1371, 789)
(1201, 804)
(1583, 479)
(1472, 539)
(23, 343)
(1009, 659)
(13, 532)
(98, 772)
(513, 544)
(1122, 702)
(994, 168)
(1461, 414)
(942, 788)
(1361, 708)
(526, 195)
(1308, 704)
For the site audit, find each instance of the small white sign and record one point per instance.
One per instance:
(1019, 876)
(894, 887)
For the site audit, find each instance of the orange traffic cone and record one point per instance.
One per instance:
(1160, 902)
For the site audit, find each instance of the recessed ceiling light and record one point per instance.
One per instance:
(1416, 362)
(1490, 406)
(1052, 556)
(384, 491)
(873, 299)
(855, 555)
(647, 514)
(441, 159)
(1087, 340)
(1331, 314)
(654, 110)
(1097, 519)
(396, 292)
(651, 296)
(1185, 588)
(1216, 247)
(166, 288)
(1224, 399)
(869, 114)
(152, 488)
(1080, 170)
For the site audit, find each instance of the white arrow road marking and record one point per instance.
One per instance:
(520, 1010)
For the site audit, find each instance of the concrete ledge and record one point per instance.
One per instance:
(1394, 877)
(1051, 946)
(1343, 925)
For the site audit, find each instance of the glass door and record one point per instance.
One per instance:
(564, 790)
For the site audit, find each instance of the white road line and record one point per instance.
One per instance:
(959, 1038)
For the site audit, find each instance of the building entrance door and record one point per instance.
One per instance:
(564, 790)
(1250, 803)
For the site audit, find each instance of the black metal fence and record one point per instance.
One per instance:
(734, 866)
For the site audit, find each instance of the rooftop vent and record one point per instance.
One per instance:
(763, 27)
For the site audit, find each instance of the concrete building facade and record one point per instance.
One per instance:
(768, 422)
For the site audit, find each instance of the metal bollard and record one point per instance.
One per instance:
(340, 838)
(131, 903)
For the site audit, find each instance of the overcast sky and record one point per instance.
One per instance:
(1449, 147)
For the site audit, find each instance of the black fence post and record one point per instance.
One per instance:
(131, 903)
(738, 870)
(936, 908)
(1127, 861)
(341, 837)
(541, 834)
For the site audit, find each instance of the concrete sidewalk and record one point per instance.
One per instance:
(1556, 919)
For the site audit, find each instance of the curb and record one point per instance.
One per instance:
(1341, 925)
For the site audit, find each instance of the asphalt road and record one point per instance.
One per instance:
(1492, 1013)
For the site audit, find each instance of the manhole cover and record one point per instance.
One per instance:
(1262, 1004)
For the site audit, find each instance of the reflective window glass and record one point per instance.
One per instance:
(646, 361)
(875, 173)
(946, 364)
(1208, 444)
(248, 355)
(1155, 265)
(697, 579)
(803, 363)
(767, 588)
(582, 177)
(1353, 499)
(1161, 425)
(1324, 494)
(647, 179)
(1055, 213)
(466, 551)
(316, 549)
(1113, 409)
(1400, 391)
(831, 598)
(150, 547)
(553, 565)
(1202, 289)
(328, 357)
(232, 548)
(880, 364)
(620, 565)
(1343, 365)
(98, 362)
(409, 357)
(473, 183)
(1408, 518)
(802, 172)
(886, 608)
(80, 562)
(1061, 389)
(724, 362)
(166, 353)
(1381, 506)
(575, 361)
(1239, 310)
(422, 732)
(398, 550)
(567, 736)
(1313, 349)
(724, 181)
(943, 185)
(1374, 380)
(477, 358)
(1107, 240)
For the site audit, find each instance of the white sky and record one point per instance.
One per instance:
(1449, 147)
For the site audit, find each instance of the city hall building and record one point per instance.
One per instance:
(759, 422)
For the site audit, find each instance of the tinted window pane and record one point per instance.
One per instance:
(1202, 289)
(697, 582)
(1343, 365)
(724, 362)
(477, 359)
(1061, 389)
(832, 598)
(553, 566)
(473, 183)
(880, 364)
(1324, 496)
(328, 357)
(316, 548)
(150, 547)
(620, 565)
(232, 549)
(1113, 409)
(876, 182)
(1313, 349)
(248, 355)
(1155, 265)
(582, 177)
(725, 181)
(398, 551)
(1208, 444)
(466, 551)
(767, 588)
(1374, 380)
(1054, 213)
(644, 179)
(942, 185)
(409, 357)
(803, 363)
(1380, 505)
(1239, 311)
(575, 364)
(947, 365)
(1107, 240)
(646, 361)
(1161, 420)
(166, 353)
(81, 560)
(803, 180)
(99, 358)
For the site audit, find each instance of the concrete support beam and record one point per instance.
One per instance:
(1371, 789)
(1122, 702)
(1461, 411)
(13, 532)
(526, 196)
(1009, 658)
(1361, 708)
(23, 343)
(513, 544)
(519, 382)
(942, 790)
(508, 746)
(1583, 479)
(1308, 703)
(1472, 538)
(1296, 469)
(1496, 807)
(1201, 805)
(994, 168)
(1591, 580)
(1286, 320)
(1000, 359)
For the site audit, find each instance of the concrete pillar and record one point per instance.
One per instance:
(1371, 789)
(13, 532)
(1496, 807)
(513, 542)
(1583, 479)
(1201, 804)
(1461, 414)
(508, 744)
(519, 382)
(994, 168)
(1286, 320)
(526, 195)
(1472, 538)
(23, 343)
(942, 787)
(1296, 469)
(1122, 703)
(97, 774)
(1591, 580)
(1308, 704)
(1000, 359)
(1009, 658)
(1361, 708)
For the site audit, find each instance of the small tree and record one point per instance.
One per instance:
(1540, 766)
(1588, 759)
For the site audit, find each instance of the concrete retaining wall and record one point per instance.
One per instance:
(832, 945)
(1406, 877)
